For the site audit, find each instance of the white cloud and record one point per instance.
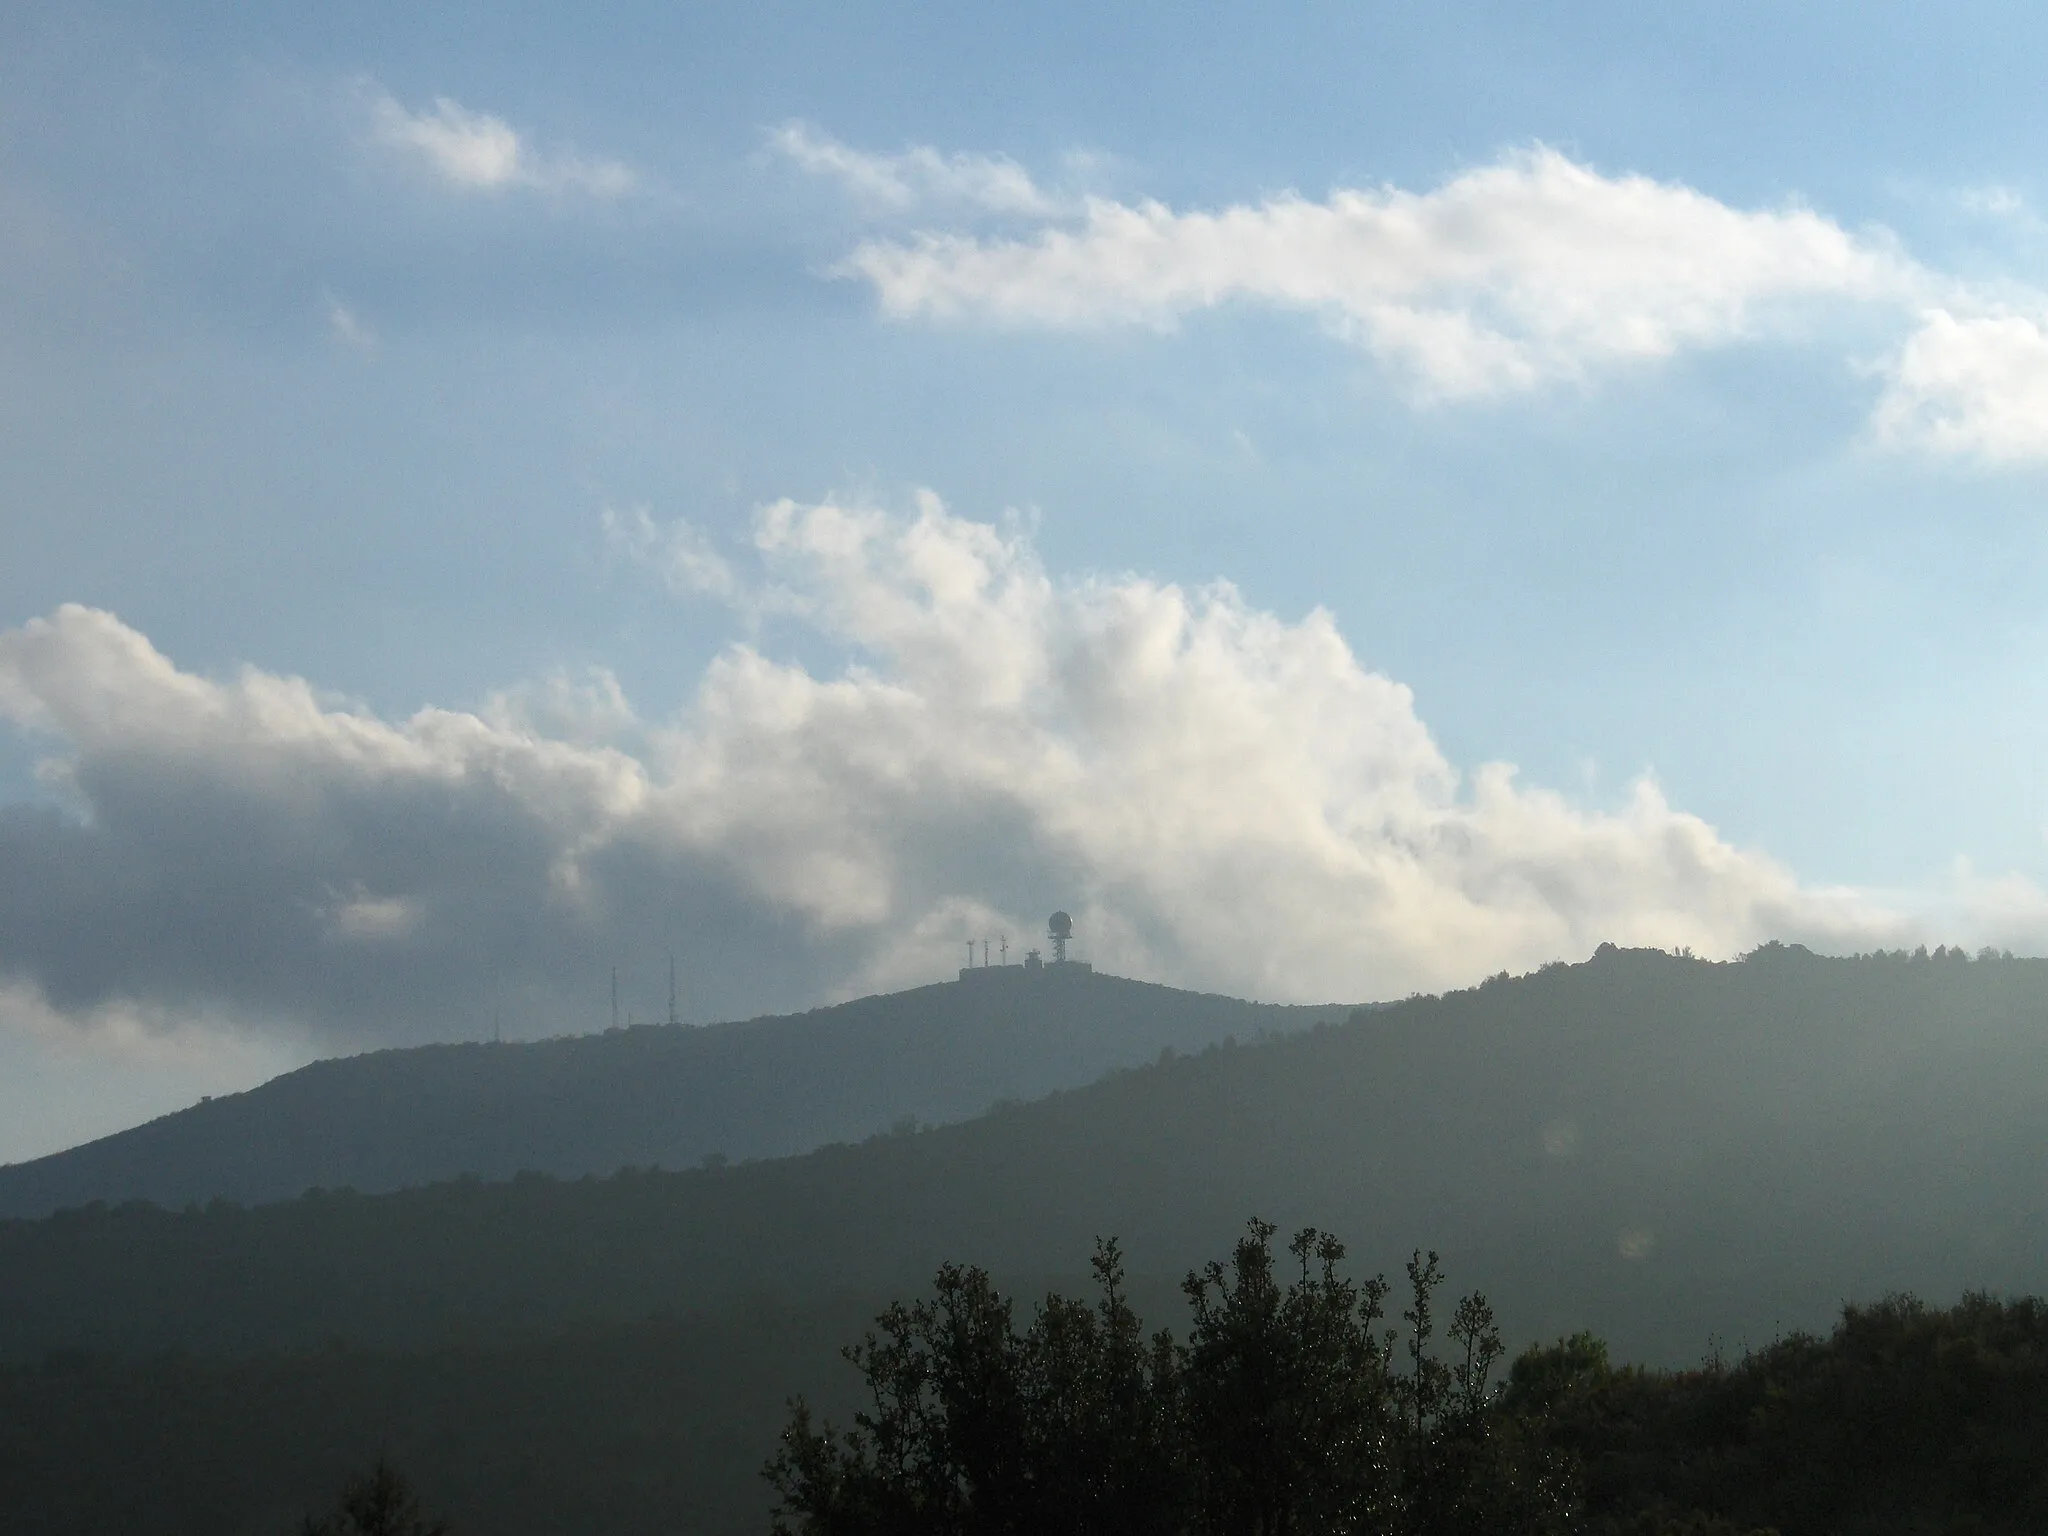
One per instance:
(1529, 271)
(346, 326)
(919, 176)
(679, 554)
(481, 152)
(1994, 201)
(589, 709)
(1223, 798)
(1971, 385)
(369, 919)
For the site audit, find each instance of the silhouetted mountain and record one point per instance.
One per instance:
(1657, 1148)
(664, 1095)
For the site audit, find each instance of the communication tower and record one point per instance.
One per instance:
(1059, 929)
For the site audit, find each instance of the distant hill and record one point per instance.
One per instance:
(662, 1095)
(1658, 1148)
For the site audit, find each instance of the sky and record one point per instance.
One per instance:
(1344, 500)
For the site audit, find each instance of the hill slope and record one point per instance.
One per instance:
(645, 1429)
(1658, 1148)
(653, 1095)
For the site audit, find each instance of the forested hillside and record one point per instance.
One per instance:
(663, 1095)
(1658, 1148)
(647, 1429)
(1901, 1420)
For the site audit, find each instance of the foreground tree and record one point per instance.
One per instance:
(1291, 1412)
(1282, 1415)
(380, 1502)
(973, 1428)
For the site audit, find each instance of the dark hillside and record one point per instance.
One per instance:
(1907, 1418)
(653, 1095)
(1657, 1148)
(647, 1429)
(1904, 1420)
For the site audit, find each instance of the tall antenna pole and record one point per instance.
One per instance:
(495, 1037)
(970, 951)
(615, 997)
(984, 954)
(1006, 948)
(673, 1017)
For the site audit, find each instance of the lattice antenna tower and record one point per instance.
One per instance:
(1059, 928)
(673, 1016)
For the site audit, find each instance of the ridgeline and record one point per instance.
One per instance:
(1655, 1147)
(653, 1095)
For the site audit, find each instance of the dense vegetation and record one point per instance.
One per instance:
(655, 1094)
(1286, 1411)
(643, 1429)
(1905, 1420)
(1290, 1410)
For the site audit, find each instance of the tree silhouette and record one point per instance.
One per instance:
(1288, 1399)
(972, 1427)
(1282, 1415)
(380, 1502)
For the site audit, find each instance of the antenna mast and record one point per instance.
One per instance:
(615, 997)
(673, 1016)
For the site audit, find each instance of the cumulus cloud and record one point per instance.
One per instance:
(919, 176)
(480, 152)
(1223, 798)
(1528, 271)
(1970, 385)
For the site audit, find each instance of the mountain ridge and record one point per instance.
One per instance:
(1660, 1148)
(653, 1094)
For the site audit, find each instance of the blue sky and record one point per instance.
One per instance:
(1660, 399)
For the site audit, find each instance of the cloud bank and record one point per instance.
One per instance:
(1224, 799)
(1530, 272)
